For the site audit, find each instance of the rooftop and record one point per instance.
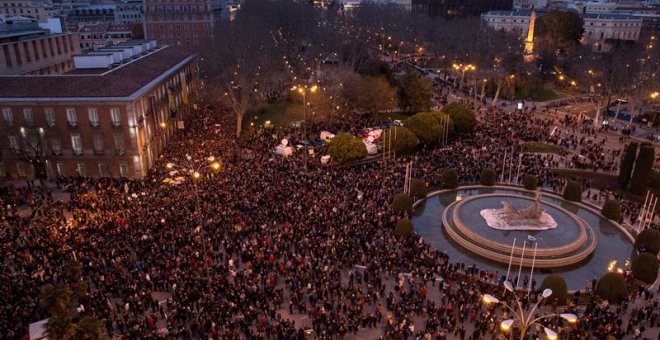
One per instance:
(527, 13)
(120, 82)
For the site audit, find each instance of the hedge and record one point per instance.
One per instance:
(645, 268)
(558, 286)
(418, 189)
(531, 182)
(641, 176)
(425, 126)
(403, 140)
(648, 241)
(611, 210)
(403, 228)
(464, 119)
(612, 287)
(449, 179)
(573, 191)
(627, 164)
(402, 203)
(488, 177)
(345, 148)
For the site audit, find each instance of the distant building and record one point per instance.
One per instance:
(97, 35)
(24, 8)
(129, 12)
(93, 13)
(110, 117)
(452, 8)
(182, 23)
(529, 4)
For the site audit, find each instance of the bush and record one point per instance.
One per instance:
(627, 163)
(643, 169)
(416, 92)
(403, 140)
(463, 118)
(648, 241)
(612, 287)
(558, 286)
(425, 126)
(402, 203)
(573, 191)
(345, 148)
(442, 117)
(531, 182)
(449, 179)
(418, 189)
(645, 268)
(403, 228)
(488, 177)
(611, 210)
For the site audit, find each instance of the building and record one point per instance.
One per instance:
(452, 8)
(26, 48)
(599, 29)
(529, 4)
(182, 23)
(93, 36)
(111, 116)
(24, 8)
(93, 13)
(129, 12)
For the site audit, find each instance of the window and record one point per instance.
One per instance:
(8, 116)
(61, 170)
(93, 117)
(28, 116)
(56, 146)
(50, 116)
(21, 169)
(115, 115)
(76, 144)
(71, 117)
(103, 170)
(80, 169)
(98, 144)
(119, 144)
(13, 143)
(123, 169)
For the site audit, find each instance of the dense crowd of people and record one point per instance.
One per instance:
(255, 249)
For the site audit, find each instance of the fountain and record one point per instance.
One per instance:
(530, 218)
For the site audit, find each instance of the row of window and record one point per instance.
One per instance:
(71, 116)
(76, 143)
(177, 8)
(22, 169)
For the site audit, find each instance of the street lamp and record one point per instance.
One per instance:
(303, 90)
(464, 68)
(526, 320)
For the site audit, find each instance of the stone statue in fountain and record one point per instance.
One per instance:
(531, 212)
(531, 217)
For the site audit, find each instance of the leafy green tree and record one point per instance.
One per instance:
(645, 268)
(573, 191)
(464, 119)
(402, 203)
(627, 164)
(404, 227)
(560, 29)
(403, 140)
(648, 240)
(442, 117)
(90, 328)
(56, 300)
(612, 210)
(418, 189)
(612, 287)
(531, 182)
(416, 92)
(643, 169)
(370, 94)
(345, 148)
(60, 328)
(449, 179)
(558, 286)
(425, 126)
(488, 177)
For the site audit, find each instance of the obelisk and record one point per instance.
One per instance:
(529, 42)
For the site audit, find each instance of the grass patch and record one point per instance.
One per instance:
(539, 147)
(281, 113)
(387, 116)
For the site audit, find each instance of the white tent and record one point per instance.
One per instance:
(285, 151)
(327, 136)
(38, 330)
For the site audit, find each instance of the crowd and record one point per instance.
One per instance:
(256, 248)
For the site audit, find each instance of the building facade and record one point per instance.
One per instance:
(101, 120)
(129, 12)
(24, 8)
(182, 23)
(454, 8)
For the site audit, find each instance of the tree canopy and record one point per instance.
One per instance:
(560, 29)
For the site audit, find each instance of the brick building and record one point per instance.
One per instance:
(111, 116)
(182, 23)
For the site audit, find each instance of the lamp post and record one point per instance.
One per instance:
(526, 320)
(195, 172)
(463, 69)
(303, 90)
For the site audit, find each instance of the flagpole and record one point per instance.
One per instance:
(508, 271)
(650, 214)
(503, 166)
(642, 213)
(522, 257)
(531, 274)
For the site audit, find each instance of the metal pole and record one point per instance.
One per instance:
(640, 217)
(503, 166)
(522, 257)
(394, 143)
(389, 144)
(650, 214)
(531, 274)
(519, 165)
(508, 271)
(405, 180)
(410, 177)
(305, 126)
(511, 165)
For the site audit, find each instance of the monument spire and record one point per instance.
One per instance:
(529, 42)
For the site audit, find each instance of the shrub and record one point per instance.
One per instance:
(345, 148)
(488, 177)
(573, 191)
(627, 163)
(531, 182)
(558, 286)
(443, 119)
(643, 169)
(611, 210)
(612, 287)
(425, 127)
(403, 140)
(416, 92)
(449, 179)
(463, 118)
(402, 203)
(418, 189)
(403, 228)
(648, 241)
(645, 268)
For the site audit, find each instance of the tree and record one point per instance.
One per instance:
(573, 191)
(402, 203)
(612, 287)
(531, 182)
(643, 169)
(648, 240)
(90, 328)
(558, 286)
(449, 179)
(627, 163)
(488, 177)
(645, 268)
(403, 140)
(463, 118)
(60, 328)
(33, 149)
(561, 29)
(370, 94)
(416, 92)
(404, 227)
(425, 126)
(444, 120)
(56, 300)
(418, 189)
(345, 148)
(612, 210)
